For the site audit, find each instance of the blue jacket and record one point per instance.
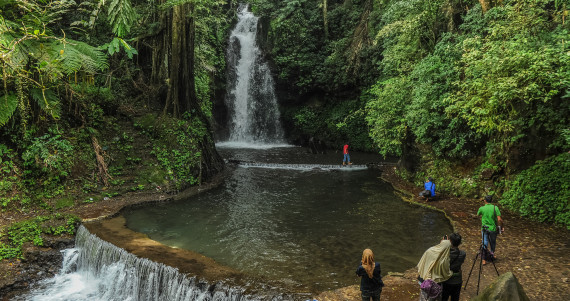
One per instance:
(430, 186)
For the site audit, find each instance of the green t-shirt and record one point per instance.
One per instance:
(488, 216)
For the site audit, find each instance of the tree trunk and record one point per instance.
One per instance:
(325, 20)
(173, 64)
(359, 38)
(485, 5)
(488, 4)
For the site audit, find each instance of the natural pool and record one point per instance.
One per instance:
(302, 226)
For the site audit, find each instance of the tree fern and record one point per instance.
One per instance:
(8, 105)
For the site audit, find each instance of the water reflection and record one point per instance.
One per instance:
(304, 228)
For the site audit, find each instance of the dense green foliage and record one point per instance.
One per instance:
(68, 79)
(76, 77)
(543, 191)
(32, 231)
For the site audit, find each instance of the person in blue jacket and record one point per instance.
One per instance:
(370, 277)
(429, 189)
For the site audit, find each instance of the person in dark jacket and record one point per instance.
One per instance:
(452, 287)
(370, 278)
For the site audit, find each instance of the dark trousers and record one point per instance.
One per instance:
(451, 290)
(490, 239)
(366, 296)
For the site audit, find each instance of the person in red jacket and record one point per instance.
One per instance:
(346, 159)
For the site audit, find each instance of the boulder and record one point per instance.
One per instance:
(504, 288)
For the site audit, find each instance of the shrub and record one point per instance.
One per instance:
(13, 237)
(542, 192)
(50, 154)
(176, 145)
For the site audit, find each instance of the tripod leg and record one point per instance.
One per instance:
(480, 268)
(474, 260)
(493, 261)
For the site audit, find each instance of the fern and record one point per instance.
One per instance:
(14, 55)
(121, 15)
(57, 10)
(78, 56)
(8, 105)
(47, 100)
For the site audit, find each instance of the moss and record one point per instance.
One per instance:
(64, 202)
(146, 122)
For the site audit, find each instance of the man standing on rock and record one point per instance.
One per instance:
(491, 224)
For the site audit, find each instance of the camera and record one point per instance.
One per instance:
(445, 237)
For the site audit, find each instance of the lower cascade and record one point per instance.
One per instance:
(97, 270)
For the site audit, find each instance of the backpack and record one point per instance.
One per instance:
(431, 288)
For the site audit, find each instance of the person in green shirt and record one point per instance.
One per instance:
(490, 220)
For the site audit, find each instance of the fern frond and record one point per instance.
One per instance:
(8, 105)
(78, 56)
(56, 10)
(47, 101)
(14, 54)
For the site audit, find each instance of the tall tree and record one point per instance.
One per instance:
(325, 19)
(181, 89)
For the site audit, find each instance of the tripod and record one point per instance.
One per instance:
(482, 251)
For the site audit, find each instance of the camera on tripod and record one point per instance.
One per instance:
(483, 254)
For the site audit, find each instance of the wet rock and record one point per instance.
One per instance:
(38, 263)
(504, 288)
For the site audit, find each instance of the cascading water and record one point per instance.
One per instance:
(99, 271)
(251, 100)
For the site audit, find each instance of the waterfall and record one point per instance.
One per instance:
(99, 271)
(251, 99)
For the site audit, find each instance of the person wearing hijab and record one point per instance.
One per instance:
(370, 277)
(434, 269)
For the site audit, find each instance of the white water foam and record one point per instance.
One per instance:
(303, 167)
(98, 271)
(251, 145)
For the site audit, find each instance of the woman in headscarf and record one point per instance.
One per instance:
(434, 269)
(371, 281)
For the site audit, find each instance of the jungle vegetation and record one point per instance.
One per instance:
(99, 98)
